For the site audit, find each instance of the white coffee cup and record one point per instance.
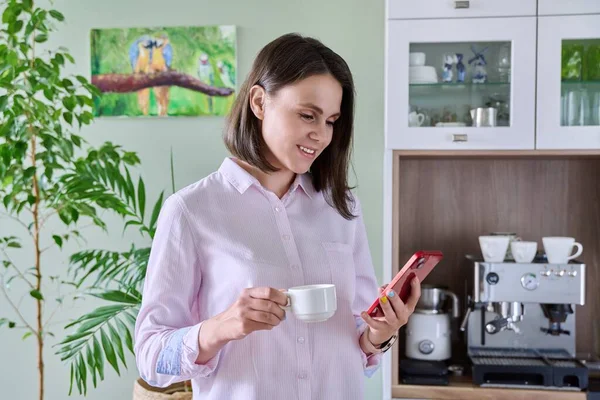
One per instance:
(558, 249)
(523, 252)
(312, 303)
(416, 59)
(415, 119)
(512, 237)
(493, 248)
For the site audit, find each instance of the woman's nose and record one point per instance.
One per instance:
(320, 133)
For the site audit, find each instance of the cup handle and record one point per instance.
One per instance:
(288, 306)
(421, 119)
(578, 252)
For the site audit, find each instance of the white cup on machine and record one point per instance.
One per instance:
(523, 252)
(493, 248)
(512, 236)
(312, 303)
(558, 249)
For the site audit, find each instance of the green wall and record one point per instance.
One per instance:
(353, 28)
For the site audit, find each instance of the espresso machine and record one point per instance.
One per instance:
(520, 324)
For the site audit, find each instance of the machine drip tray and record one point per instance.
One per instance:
(528, 368)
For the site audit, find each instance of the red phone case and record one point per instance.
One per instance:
(420, 264)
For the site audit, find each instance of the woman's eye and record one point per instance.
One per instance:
(307, 117)
(330, 123)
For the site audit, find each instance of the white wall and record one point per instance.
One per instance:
(354, 28)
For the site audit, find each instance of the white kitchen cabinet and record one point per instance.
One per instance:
(568, 7)
(425, 9)
(568, 82)
(424, 112)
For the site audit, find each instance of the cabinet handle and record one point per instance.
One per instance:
(459, 137)
(462, 4)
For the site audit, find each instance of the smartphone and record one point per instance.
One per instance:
(420, 265)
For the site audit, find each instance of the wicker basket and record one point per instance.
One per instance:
(143, 391)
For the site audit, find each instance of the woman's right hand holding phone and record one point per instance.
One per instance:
(257, 308)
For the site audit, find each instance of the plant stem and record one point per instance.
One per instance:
(36, 241)
(17, 269)
(17, 220)
(172, 172)
(51, 213)
(14, 307)
(51, 316)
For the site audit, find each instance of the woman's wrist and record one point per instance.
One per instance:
(368, 347)
(375, 346)
(375, 338)
(209, 341)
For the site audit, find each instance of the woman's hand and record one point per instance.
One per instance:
(395, 312)
(256, 309)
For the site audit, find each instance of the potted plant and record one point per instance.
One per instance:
(104, 334)
(49, 177)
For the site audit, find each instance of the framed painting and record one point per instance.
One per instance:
(178, 71)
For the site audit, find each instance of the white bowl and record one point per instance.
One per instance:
(416, 59)
(422, 74)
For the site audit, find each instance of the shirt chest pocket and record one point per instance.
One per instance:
(340, 260)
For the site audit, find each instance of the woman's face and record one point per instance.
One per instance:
(297, 121)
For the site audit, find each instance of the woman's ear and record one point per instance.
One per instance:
(257, 101)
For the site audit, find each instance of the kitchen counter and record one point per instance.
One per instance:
(462, 388)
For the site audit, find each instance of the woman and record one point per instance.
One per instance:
(226, 245)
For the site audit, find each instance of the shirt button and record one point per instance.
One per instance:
(295, 266)
(277, 209)
(286, 237)
(302, 376)
(301, 340)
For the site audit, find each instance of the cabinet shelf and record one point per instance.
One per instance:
(453, 88)
(595, 85)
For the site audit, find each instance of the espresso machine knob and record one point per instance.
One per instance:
(573, 274)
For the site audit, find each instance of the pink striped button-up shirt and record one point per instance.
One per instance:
(225, 233)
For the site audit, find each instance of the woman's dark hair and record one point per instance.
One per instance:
(287, 60)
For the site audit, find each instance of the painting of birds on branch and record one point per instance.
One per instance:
(160, 72)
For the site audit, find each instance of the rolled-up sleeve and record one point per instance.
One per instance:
(168, 324)
(366, 287)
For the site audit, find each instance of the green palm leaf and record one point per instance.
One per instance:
(101, 335)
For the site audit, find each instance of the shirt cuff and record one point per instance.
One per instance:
(190, 343)
(371, 362)
(178, 357)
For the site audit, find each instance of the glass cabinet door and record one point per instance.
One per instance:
(568, 7)
(461, 84)
(406, 9)
(568, 89)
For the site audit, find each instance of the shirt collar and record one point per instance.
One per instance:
(305, 182)
(242, 179)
